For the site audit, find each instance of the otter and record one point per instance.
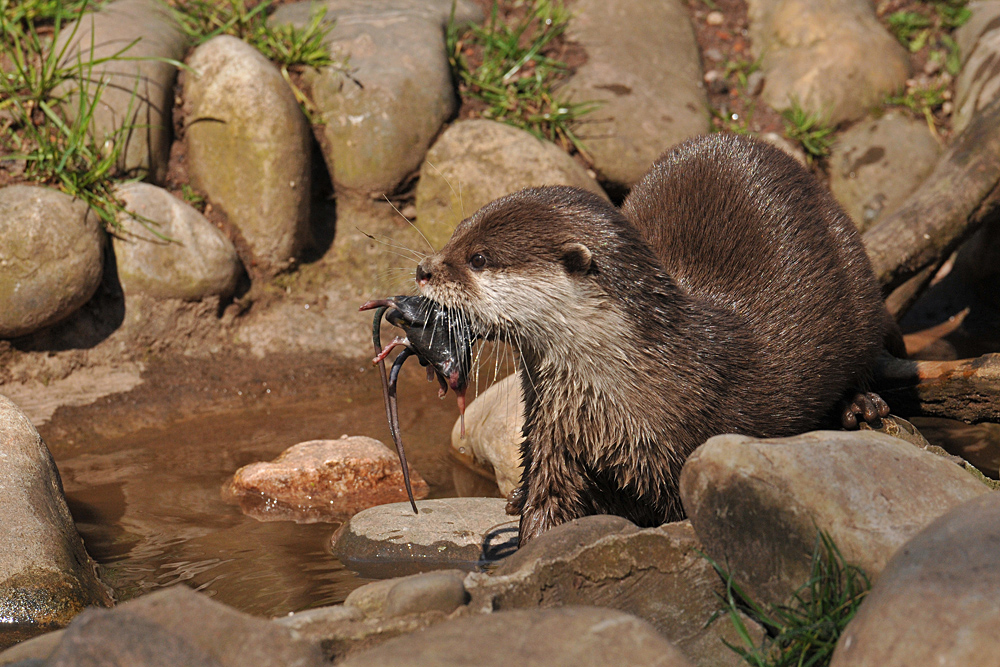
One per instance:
(729, 294)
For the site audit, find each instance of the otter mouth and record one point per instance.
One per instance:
(441, 342)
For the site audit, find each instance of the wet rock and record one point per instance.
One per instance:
(248, 147)
(470, 166)
(46, 576)
(195, 259)
(390, 540)
(178, 619)
(757, 504)
(323, 480)
(51, 254)
(493, 436)
(938, 599)
(877, 164)
(657, 574)
(381, 111)
(650, 96)
(569, 636)
(978, 83)
(820, 54)
(140, 83)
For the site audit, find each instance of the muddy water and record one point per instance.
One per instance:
(147, 500)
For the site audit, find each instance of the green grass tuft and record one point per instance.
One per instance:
(809, 130)
(804, 632)
(504, 68)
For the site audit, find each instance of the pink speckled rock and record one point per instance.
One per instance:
(323, 480)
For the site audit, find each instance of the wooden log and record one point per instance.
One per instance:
(966, 389)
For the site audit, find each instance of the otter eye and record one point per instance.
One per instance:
(477, 261)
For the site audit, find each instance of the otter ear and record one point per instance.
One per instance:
(576, 257)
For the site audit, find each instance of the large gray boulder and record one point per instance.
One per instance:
(658, 574)
(46, 576)
(938, 599)
(757, 505)
(474, 162)
(381, 111)
(650, 95)
(820, 53)
(876, 164)
(978, 83)
(390, 540)
(565, 637)
(248, 147)
(140, 83)
(186, 257)
(51, 257)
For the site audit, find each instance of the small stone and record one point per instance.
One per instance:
(715, 18)
(323, 480)
(390, 540)
(51, 258)
(755, 83)
(713, 54)
(441, 591)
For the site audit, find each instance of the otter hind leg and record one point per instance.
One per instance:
(866, 406)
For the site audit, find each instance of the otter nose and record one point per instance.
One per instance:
(423, 274)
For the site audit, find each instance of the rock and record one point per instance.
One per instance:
(756, 504)
(565, 637)
(978, 82)
(51, 258)
(820, 54)
(784, 144)
(180, 619)
(35, 649)
(433, 591)
(493, 436)
(194, 261)
(46, 576)
(657, 574)
(382, 110)
(877, 164)
(248, 147)
(650, 96)
(323, 480)
(938, 599)
(140, 90)
(470, 166)
(99, 637)
(449, 533)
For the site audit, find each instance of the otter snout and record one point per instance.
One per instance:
(423, 272)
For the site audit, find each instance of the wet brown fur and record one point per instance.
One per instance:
(730, 294)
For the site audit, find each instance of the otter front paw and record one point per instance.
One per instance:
(868, 406)
(515, 501)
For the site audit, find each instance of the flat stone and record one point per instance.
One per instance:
(140, 90)
(249, 147)
(650, 96)
(756, 505)
(820, 54)
(390, 540)
(470, 165)
(323, 480)
(194, 261)
(877, 164)
(658, 574)
(493, 434)
(381, 112)
(938, 599)
(46, 575)
(51, 258)
(564, 637)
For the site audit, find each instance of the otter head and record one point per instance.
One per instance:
(522, 265)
